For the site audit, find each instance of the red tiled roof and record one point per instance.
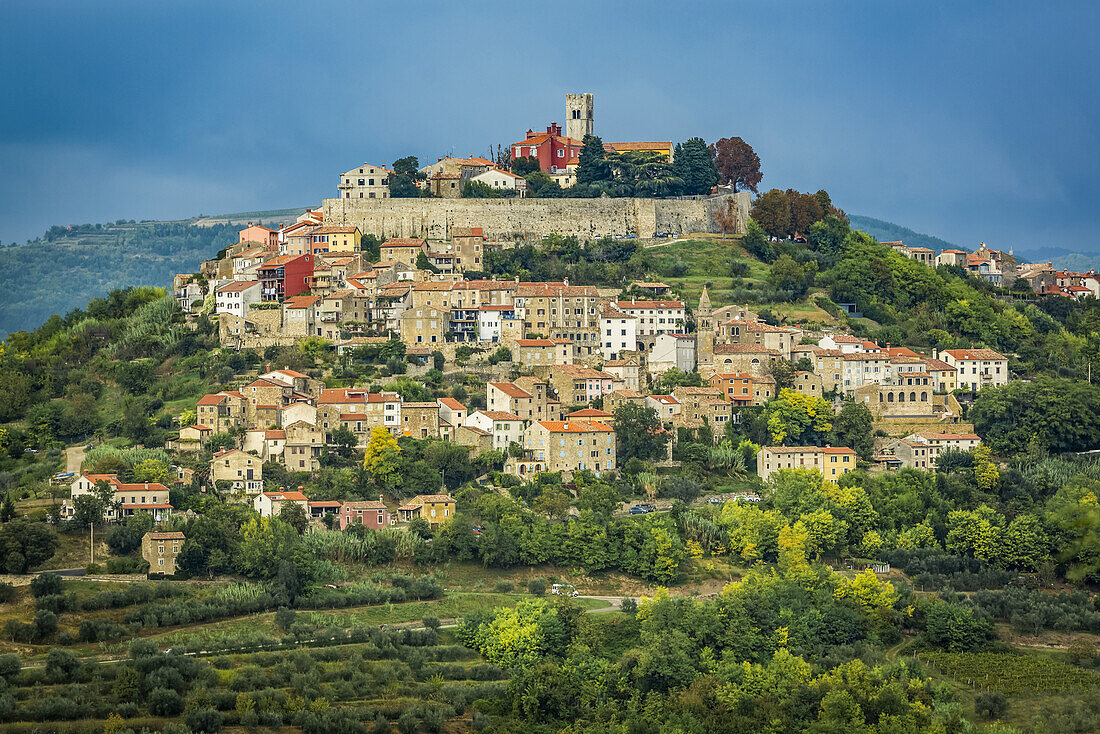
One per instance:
(575, 426)
(968, 354)
(511, 389)
(404, 242)
(237, 286)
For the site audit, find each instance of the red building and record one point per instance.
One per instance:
(553, 149)
(285, 276)
(372, 514)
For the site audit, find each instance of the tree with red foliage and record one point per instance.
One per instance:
(737, 163)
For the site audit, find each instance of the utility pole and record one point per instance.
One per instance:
(91, 543)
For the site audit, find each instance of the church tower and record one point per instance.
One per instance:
(704, 334)
(580, 111)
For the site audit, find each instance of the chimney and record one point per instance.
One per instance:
(565, 281)
(379, 498)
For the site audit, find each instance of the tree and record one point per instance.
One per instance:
(694, 165)
(343, 442)
(553, 502)
(853, 428)
(796, 418)
(772, 211)
(790, 276)
(7, 508)
(404, 177)
(638, 433)
(727, 216)
(25, 544)
(756, 242)
(592, 165)
(381, 457)
(480, 190)
(294, 515)
(265, 542)
(737, 164)
(524, 165)
(152, 470)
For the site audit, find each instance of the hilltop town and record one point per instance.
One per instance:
(759, 442)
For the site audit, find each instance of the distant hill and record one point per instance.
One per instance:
(67, 266)
(890, 232)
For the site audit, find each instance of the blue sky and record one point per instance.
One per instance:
(971, 121)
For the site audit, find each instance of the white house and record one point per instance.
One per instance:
(235, 297)
(490, 321)
(505, 428)
(502, 180)
(672, 350)
(618, 332)
(270, 504)
(655, 317)
(977, 368)
(151, 497)
(667, 406)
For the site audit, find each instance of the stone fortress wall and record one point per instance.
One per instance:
(587, 219)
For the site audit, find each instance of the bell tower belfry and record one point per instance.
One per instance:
(580, 115)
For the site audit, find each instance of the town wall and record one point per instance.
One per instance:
(530, 218)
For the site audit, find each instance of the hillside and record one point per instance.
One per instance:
(68, 266)
(890, 232)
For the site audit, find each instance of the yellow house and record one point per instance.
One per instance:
(435, 508)
(335, 239)
(832, 462)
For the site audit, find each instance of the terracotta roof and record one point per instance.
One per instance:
(323, 503)
(649, 304)
(215, 399)
(511, 389)
(478, 431)
(363, 505)
(639, 145)
(301, 301)
(937, 365)
(968, 354)
(575, 426)
(404, 242)
(732, 375)
(500, 415)
(433, 498)
(951, 436)
(665, 399)
(172, 535)
(589, 413)
(334, 229)
(534, 343)
(293, 496)
(743, 349)
(280, 260)
(452, 404)
(237, 286)
(809, 449)
(273, 435)
(575, 371)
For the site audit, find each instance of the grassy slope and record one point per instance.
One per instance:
(708, 261)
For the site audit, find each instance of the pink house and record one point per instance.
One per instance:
(371, 513)
(259, 233)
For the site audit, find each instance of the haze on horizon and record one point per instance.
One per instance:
(972, 121)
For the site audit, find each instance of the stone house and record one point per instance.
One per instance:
(571, 445)
(423, 326)
(244, 471)
(161, 549)
(420, 420)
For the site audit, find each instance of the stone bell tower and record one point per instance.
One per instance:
(704, 335)
(580, 110)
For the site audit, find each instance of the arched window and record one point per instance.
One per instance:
(912, 397)
(923, 396)
(901, 396)
(889, 397)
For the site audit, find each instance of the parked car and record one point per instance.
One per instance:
(641, 510)
(717, 500)
(563, 590)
